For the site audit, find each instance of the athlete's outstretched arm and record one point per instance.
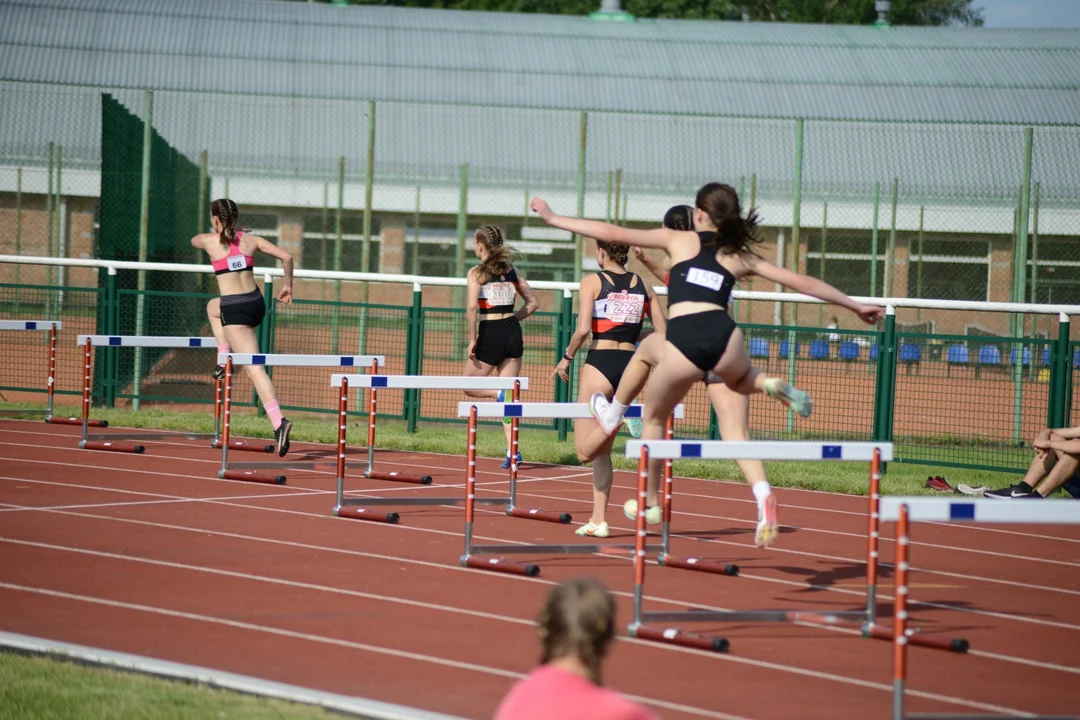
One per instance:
(265, 246)
(658, 238)
(811, 286)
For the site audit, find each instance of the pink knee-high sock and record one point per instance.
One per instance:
(223, 348)
(274, 412)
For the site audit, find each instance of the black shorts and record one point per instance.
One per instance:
(499, 340)
(245, 310)
(610, 363)
(701, 337)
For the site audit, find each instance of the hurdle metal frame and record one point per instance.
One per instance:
(53, 326)
(539, 410)
(357, 508)
(107, 441)
(245, 471)
(906, 510)
(866, 618)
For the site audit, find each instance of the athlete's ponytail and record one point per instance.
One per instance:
(734, 233)
(498, 261)
(226, 211)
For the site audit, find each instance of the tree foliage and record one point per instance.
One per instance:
(846, 12)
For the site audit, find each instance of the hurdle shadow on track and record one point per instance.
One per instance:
(726, 532)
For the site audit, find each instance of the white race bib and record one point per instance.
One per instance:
(705, 278)
(625, 308)
(499, 293)
(237, 262)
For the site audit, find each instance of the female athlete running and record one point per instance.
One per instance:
(614, 304)
(241, 308)
(494, 326)
(701, 335)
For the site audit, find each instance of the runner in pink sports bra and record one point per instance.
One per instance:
(241, 308)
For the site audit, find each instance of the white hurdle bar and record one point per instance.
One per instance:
(906, 510)
(547, 411)
(346, 507)
(245, 470)
(873, 453)
(53, 326)
(106, 441)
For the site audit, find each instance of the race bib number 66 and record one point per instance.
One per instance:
(237, 262)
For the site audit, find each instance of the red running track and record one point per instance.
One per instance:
(153, 555)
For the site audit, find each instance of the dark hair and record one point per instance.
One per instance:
(720, 202)
(498, 261)
(619, 253)
(679, 217)
(578, 618)
(226, 211)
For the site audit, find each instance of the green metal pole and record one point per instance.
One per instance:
(412, 356)
(607, 216)
(873, 241)
(365, 256)
(824, 254)
(753, 200)
(264, 337)
(322, 243)
(1035, 245)
(415, 265)
(459, 254)
(59, 227)
(796, 214)
(579, 241)
(1059, 371)
(890, 269)
(566, 330)
(618, 193)
(18, 234)
(49, 273)
(335, 314)
(918, 276)
(112, 327)
(144, 243)
(1021, 286)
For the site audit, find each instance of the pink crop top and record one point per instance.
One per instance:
(234, 261)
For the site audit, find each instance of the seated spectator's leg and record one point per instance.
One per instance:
(1067, 464)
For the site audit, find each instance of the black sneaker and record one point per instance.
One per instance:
(282, 436)
(1020, 490)
(1031, 496)
(219, 373)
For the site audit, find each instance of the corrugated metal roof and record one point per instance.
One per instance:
(563, 62)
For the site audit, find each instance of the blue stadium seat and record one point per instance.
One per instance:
(1046, 355)
(989, 355)
(958, 354)
(819, 350)
(910, 352)
(785, 349)
(873, 351)
(848, 350)
(1076, 358)
(759, 347)
(1027, 356)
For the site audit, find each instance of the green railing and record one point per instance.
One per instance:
(971, 401)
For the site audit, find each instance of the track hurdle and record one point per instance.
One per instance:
(906, 510)
(53, 326)
(473, 556)
(873, 453)
(351, 507)
(107, 441)
(245, 471)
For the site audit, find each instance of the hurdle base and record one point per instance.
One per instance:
(248, 476)
(537, 514)
(674, 636)
(110, 446)
(76, 421)
(934, 642)
(359, 513)
(495, 564)
(698, 564)
(244, 446)
(398, 477)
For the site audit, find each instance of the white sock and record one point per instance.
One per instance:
(761, 491)
(618, 406)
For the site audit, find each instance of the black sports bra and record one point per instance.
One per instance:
(701, 278)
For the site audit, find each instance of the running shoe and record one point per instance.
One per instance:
(506, 421)
(968, 490)
(591, 529)
(605, 414)
(282, 436)
(219, 373)
(938, 483)
(652, 514)
(633, 426)
(789, 396)
(506, 463)
(767, 527)
(1020, 490)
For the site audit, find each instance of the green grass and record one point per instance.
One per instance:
(542, 446)
(33, 688)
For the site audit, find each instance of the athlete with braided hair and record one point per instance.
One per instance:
(576, 627)
(241, 308)
(494, 325)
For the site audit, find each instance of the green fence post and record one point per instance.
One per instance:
(579, 241)
(566, 329)
(874, 241)
(1059, 375)
(412, 356)
(883, 394)
(266, 337)
(144, 242)
(112, 327)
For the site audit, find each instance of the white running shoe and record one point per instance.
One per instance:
(767, 527)
(633, 426)
(789, 396)
(591, 529)
(605, 414)
(652, 514)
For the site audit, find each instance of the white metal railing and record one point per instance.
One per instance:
(567, 288)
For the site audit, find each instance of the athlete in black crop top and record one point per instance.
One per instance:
(614, 304)
(701, 335)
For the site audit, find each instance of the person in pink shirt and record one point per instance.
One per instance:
(576, 627)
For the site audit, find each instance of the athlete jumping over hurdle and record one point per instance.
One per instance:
(241, 308)
(701, 335)
(614, 303)
(494, 326)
